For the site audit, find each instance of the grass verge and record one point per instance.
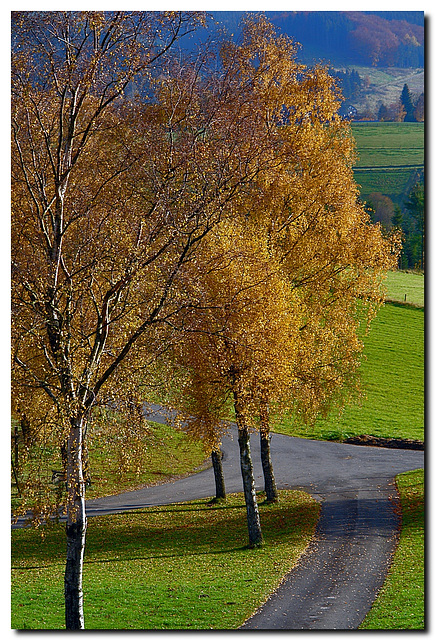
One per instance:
(183, 566)
(400, 603)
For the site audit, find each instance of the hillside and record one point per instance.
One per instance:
(384, 85)
(385, 39)
(386, 49)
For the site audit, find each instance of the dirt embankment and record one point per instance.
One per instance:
(389, 443)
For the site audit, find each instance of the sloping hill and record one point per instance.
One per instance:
(366, 38)
(385, 84)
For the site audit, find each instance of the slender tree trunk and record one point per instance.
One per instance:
(253, 516)
(15, 472)
(16, 446)
(216, 457)
(75, 529)
(266, 460)
(26, 431)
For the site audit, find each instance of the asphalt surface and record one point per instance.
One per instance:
(337, 579)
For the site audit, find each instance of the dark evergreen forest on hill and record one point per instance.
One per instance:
(380, 38)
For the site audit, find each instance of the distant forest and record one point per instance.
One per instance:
(365, 38)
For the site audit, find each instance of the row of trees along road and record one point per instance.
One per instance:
(208, 222)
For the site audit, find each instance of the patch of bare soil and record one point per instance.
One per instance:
(389, 443)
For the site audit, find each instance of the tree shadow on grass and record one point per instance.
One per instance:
(164, 533)
(219, 529)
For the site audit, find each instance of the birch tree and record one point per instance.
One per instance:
(79, 240)
(315, 225)
(311, 226)
(111, 196)
(239, 347)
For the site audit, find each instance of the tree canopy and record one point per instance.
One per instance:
(291, 286)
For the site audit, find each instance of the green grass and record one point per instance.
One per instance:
(165, 453)
(183, 566)
(392, 380)
(400, 603)
(168, 453)
(397, 145)
(390, 182)
(406, 287)
(389, 143)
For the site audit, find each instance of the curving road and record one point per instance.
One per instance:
(335, 582)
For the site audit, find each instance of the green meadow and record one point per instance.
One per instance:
(406, 287)
(389, 153)
(382, 144)
(392, 373)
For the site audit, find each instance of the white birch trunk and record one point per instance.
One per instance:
(75, 529)
(252, 513)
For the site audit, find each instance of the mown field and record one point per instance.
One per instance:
(389, 154)
(389, 143)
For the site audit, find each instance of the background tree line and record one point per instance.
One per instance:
(410, 219)
(364, 38)
(408, 108)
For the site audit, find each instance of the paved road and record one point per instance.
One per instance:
(336, 581)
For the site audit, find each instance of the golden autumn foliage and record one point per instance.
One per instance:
(243, 332)
(283, 294)
(323, 261)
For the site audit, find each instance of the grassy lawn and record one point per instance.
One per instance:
(169, 453)
(183, 566)
(166, 453)
(400, 604)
